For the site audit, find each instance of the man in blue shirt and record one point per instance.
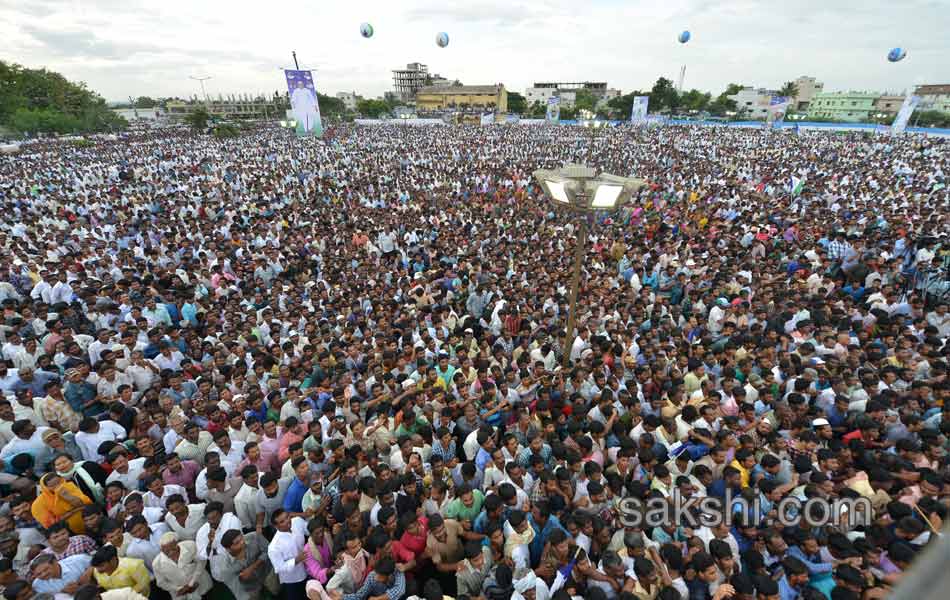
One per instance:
(35, 381)
(486, 444)
(493, 511)
(544, 524)
(298, 487)
(53, 576)
(793, 580)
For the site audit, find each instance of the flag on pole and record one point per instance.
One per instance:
(797, 185)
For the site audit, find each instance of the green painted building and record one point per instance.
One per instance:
(854, 107)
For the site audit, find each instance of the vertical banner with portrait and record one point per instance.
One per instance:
(778, 105)
(638, 111)
(553, 114)
(303, 102)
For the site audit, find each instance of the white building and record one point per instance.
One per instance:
(753, 103)
(568, 98)
(349, 99)
(807, 88)
(536, 94)
(934, 97)
(567, 91)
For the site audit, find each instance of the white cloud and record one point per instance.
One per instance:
(133, 47)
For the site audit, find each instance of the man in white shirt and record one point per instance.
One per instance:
(717, 316)
(101, 343)
(286, 552)
(62, 291)
(208, 538)
(127, 472)
(158, 493)
(92, 433)
(144, 542)
(245, 502)
(580, 344)
(25, 408)
(191, 515)
(213, 461)
(168, 358)
(229, 451)
(28, 440)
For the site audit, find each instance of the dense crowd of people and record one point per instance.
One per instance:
(336, 369)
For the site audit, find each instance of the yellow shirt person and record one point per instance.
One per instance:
(116, 573)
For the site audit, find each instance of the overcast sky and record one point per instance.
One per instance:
(124, 48)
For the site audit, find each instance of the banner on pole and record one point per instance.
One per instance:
(488, 118)
(778, 105)
(638, 113)
(903, 115)
(553, 114)
(304, 103)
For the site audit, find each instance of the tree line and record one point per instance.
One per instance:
(664, 97)
(41, 101)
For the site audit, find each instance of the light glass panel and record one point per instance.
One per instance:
(606, 196)
(558, 191)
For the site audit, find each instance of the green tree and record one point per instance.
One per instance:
(567, 113)
(585, 100)
(516, 103)
(790, 89)
(145, 102)
(732, 89)
(723, 104)
(373, 108)
(330, 106)
(198, 118)
(930, 118)
(537, 110)
(664, 95)
(621, 106)
(37, 100)
(695, 100)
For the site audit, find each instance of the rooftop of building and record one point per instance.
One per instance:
(461, 89)
(936, 88)
(863, 94)
(571, 84)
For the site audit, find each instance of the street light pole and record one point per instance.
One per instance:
(580, 190)
(579, 252)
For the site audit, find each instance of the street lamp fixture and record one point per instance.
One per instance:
(580, 190)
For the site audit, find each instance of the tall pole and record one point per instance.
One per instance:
(294, 54)
(590, 145)
(202, 81)
(579, 251)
